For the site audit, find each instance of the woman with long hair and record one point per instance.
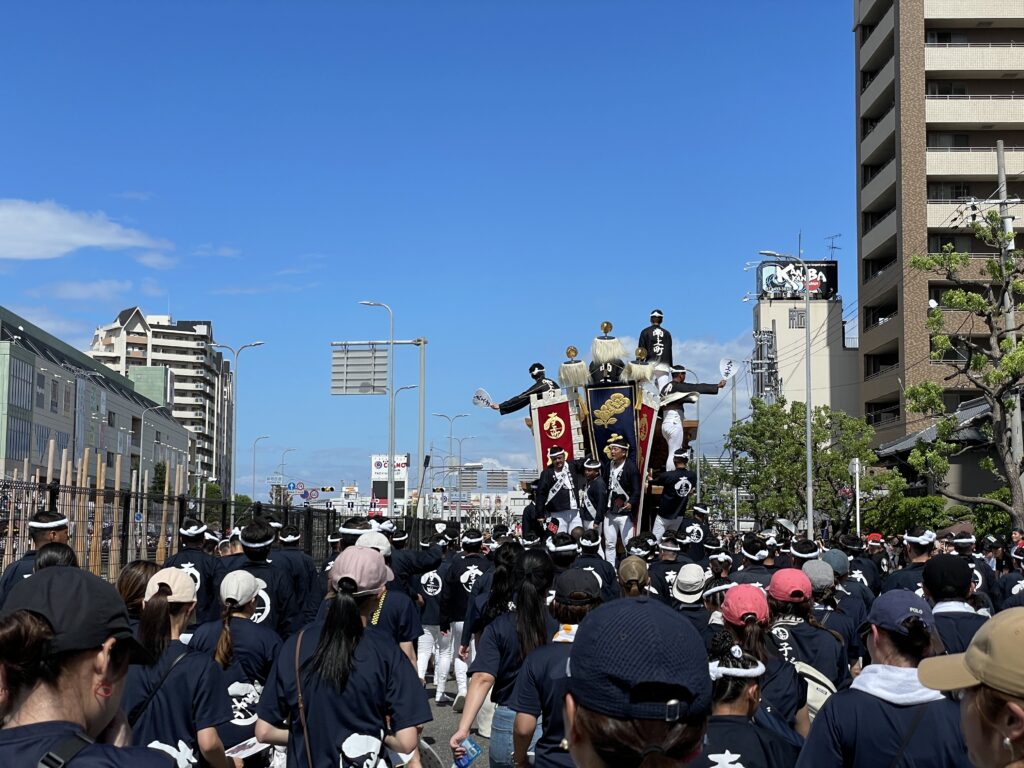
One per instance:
(131, 585)
(65, 646)
(540, 688)
(177, 702)
(335, 696)
(783, 693)
(246, 651)
(639, 693)
(887, 717)
(735, 698)
(55, 553)
(504, 644)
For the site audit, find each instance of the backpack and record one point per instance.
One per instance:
(819, 687)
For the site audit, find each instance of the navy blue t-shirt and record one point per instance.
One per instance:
(663, 576)
(855, 729)
(207, 572)
(783, 691)
(1007, 586)
(399, 618)
(276, 605)
(906, 578)
(796, 640)
(254, 650)
(428, 587)
(15, 572)
(700, 617)
(191, 698)
(605, 573)
(957, 628)
(26, 745)
(754, 574)
(540, 690)
(349, 725)
(306, 584)
(839, 622)
(733, 740)
(497, 654)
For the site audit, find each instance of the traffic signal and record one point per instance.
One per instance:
(326, 489)
(439, 490)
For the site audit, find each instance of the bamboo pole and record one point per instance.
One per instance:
(63, 466)
(23, 516)
(144, 500)
(51, 450)
(179, 482)
(95, 549)
(161, 545)
(133, 509)
(114, 569)
(81, 508)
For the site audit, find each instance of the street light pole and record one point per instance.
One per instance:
(234, 419)
(142, 441)
(391, 400)
(809, 492)
(261, 437)
(451, 422)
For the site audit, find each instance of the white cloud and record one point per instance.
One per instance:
(221, 251)
(77, 334)
(151, 287)
(96, 290)
(156, 260)
(44, 230)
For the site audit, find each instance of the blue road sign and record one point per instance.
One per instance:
(291, 486)
(138, 517)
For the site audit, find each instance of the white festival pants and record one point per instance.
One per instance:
(661, 525)
(672, 429)
(567, 519)
(661, 378)
(432, 645)
(449, 654)
(620, 526)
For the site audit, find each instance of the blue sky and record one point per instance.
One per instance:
(505, 174)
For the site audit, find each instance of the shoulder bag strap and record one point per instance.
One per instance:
(139, 708)
(64, 752)
(909, 734)
(302, 704)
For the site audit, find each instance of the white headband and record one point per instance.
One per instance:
(275, 525)
(62, 523)
(388, 525)
(719, 588)
(808, 556)
(194, 530)
(290, 539)
(760, 555)
(573, 547)
(721, 557)
(670, 546)
(639, 552)
(587, 544)
(965, 540)
(353, 531)
(928, 537)
(771, 542)
(472, 539)
(209, 536)
(717, 671)
(255, 544)
(236, 532)
(333, 539)
(400, 536)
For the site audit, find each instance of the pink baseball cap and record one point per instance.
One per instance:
(790, 585)
(365, 567)
(744, 600)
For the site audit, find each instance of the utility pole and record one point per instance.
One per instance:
(1009, 316)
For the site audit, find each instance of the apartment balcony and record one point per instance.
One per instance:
(880, 141)
(174, 357)
(950, 214)
(879, 45)
(170, 341)
(964, 60)
(883, 233)
(880, 91)
(973, 162)
(999, 111)
(994, 13)
(880, 190)
(868, 10)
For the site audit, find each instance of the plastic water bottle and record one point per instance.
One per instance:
(472, 752)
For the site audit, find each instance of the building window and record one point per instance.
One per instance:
(943, 140)
(797, 318)
(111, 419)
(54, 396)
(110, 459)
(948, 190)
(40, 390)
(21, 384)
(960, 243)
(946, 88)
(69, 395)
(19, 438)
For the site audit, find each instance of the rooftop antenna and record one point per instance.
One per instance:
(832, 247)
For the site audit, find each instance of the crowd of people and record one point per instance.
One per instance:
(682, 648)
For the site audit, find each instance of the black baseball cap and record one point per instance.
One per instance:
(577, 586)
(664, 675)
(947, 577)
(83, 611)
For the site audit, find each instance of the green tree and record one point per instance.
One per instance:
(156, 483)
(771, 461)
(242, 501)
(992, 362)
(213, 492)
(905, 512)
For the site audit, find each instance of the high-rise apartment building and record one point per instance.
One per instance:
(195, 379)
(937, 86)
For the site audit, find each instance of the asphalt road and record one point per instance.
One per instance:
(444, 724)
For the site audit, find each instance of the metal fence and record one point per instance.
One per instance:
(108, 528)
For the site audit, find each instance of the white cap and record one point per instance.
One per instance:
(240, 586)
(375, 540)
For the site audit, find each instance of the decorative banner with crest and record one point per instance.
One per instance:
(613, 415)
(555, 422)
(646, 422)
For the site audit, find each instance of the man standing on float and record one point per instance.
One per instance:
(673, 396)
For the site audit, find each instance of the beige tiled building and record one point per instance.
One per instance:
(196, 379)
(938, 82)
